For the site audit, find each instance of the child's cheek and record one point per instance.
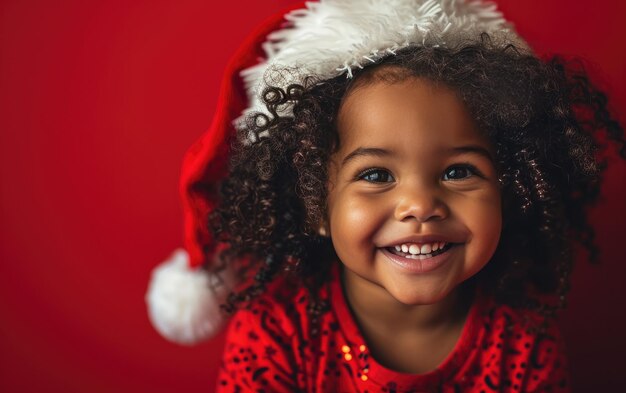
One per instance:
(484, 219)
(354, 222)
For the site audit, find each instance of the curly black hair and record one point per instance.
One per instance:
(545, 119)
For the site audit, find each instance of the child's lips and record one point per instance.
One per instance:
(420, 264)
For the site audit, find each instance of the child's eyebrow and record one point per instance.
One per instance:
(476, 149)
(378, 152)
(365, 151)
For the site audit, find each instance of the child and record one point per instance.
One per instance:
(401, 203)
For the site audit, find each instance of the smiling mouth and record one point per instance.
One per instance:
(417, 252)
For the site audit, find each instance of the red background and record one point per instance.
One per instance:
(98, 102)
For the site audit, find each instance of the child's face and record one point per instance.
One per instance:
(412, 169)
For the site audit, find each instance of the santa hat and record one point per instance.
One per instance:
(326, 39)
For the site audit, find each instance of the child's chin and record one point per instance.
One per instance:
(413, 297)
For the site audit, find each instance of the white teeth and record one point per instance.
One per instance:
(413, 249)
(423, 256)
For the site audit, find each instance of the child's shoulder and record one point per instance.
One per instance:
(282, 307)
(271, 335)
(509, 320)
(522, 342)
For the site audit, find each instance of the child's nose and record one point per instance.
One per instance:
(420, 204)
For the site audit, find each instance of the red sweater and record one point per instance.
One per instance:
(269, 348)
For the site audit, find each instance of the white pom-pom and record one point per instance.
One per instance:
(184, 303)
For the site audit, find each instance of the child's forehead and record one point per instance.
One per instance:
(390, 103)
(389, 75)
(412, 111)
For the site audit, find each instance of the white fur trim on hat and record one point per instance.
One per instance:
(184, 304)
(333, 37)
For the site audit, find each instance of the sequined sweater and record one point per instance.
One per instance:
(270, 348)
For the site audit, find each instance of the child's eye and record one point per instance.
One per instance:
(460, 172)
(376, 176)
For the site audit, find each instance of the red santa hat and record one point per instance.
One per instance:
(326, 38)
